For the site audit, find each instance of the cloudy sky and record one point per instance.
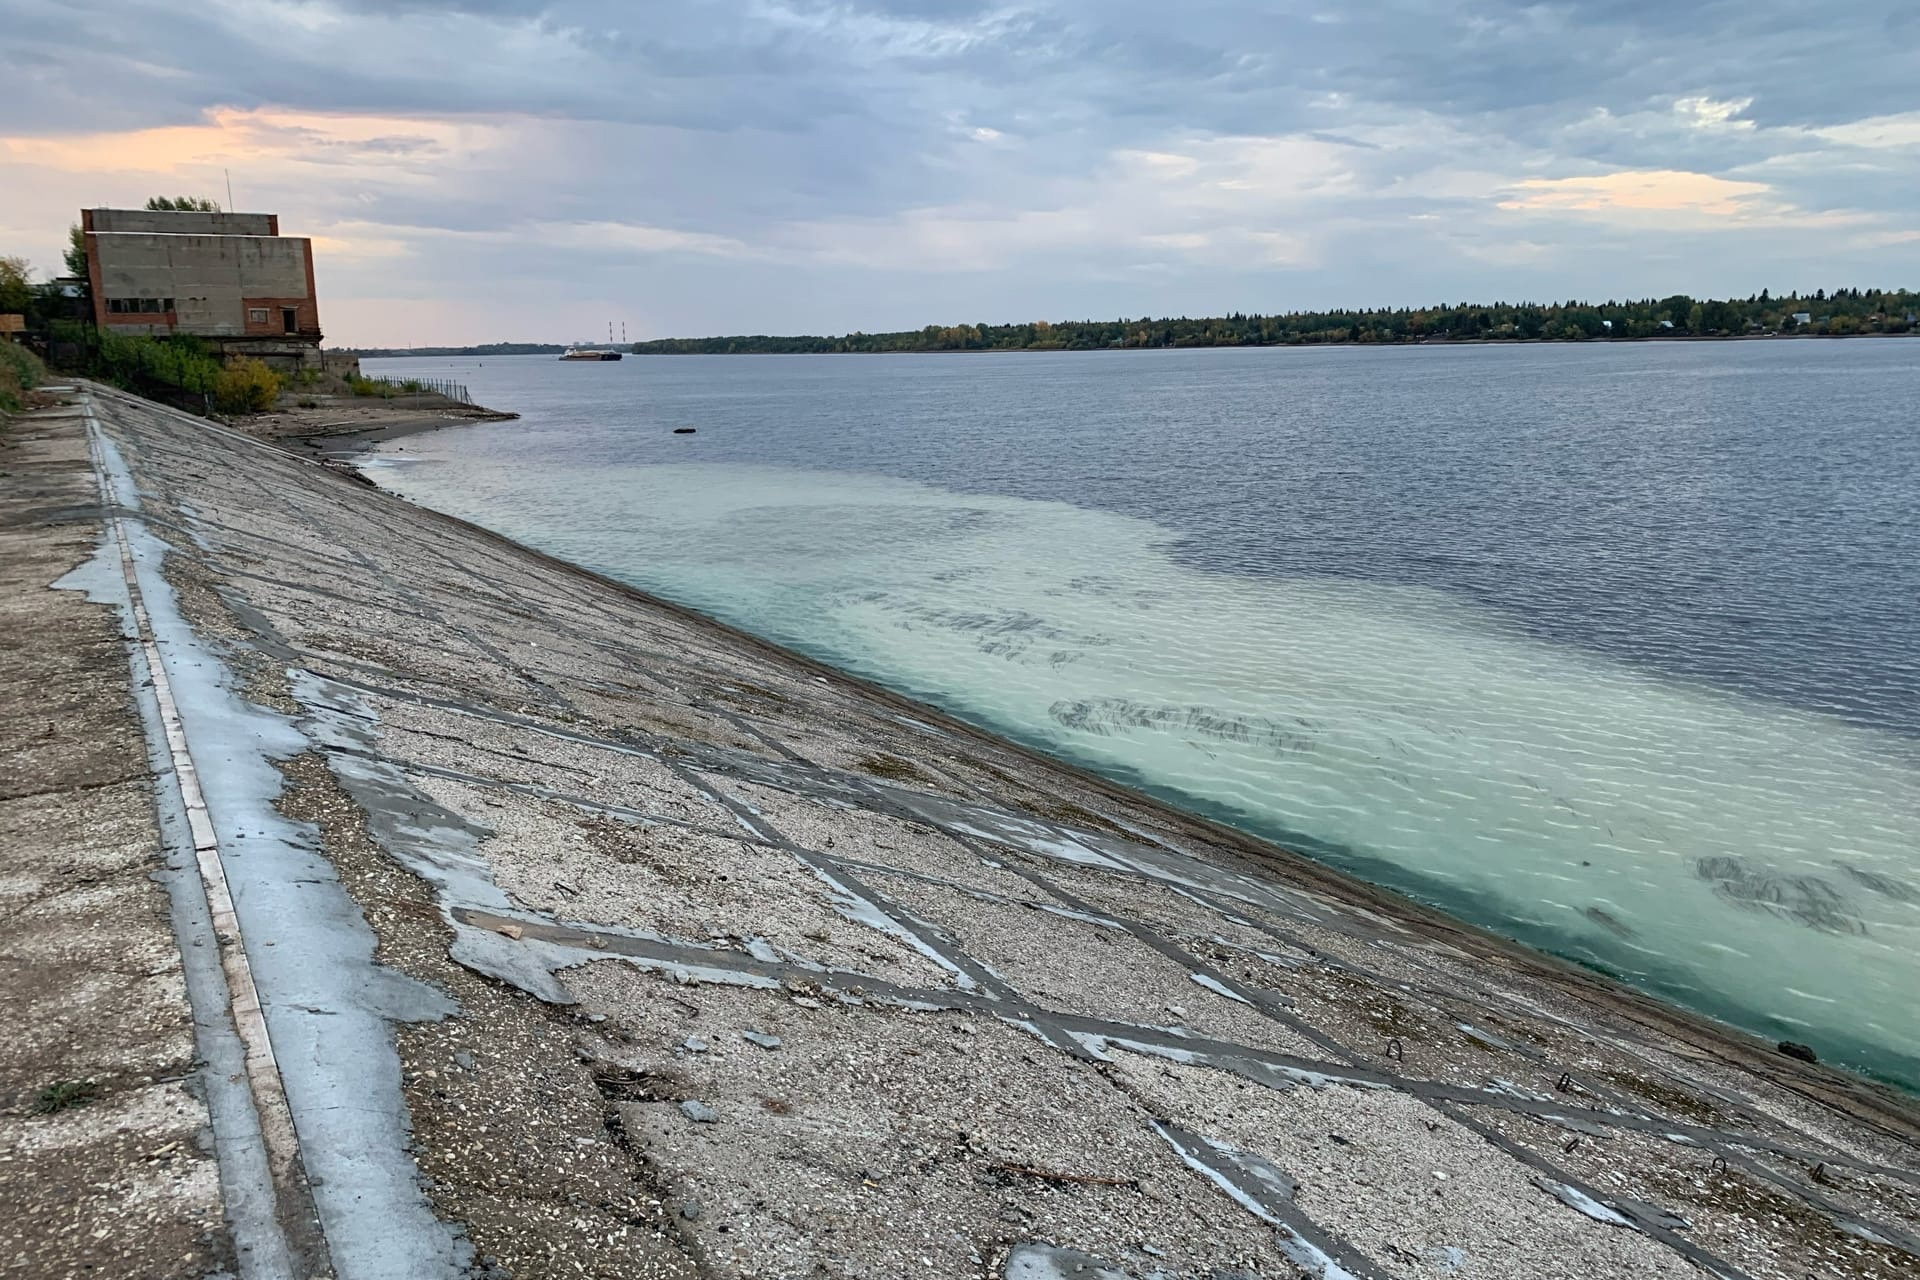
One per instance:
(479, 170)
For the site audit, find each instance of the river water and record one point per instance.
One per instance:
(1615, 649)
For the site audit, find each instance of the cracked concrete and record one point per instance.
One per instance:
(1005, 1019)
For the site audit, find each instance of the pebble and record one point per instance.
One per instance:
(690, 1210)
(761, 1038)
(463, 1060)
(698, 1112)
(694, 1044)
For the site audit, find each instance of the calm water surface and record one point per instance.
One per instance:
(1611, 648)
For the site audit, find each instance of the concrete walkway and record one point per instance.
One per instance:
(547, 930)
(103, 1167)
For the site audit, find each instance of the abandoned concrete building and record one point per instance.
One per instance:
(230, 279)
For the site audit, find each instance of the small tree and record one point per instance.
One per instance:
(182, 204)
(20, 373)
(75, 257)
(16, 285)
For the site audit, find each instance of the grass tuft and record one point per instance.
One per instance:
(62, 1095)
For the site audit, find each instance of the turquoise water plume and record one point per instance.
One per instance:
(1747, 857)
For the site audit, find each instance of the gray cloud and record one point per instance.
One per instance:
(867, 162)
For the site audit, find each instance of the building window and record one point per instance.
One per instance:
(289, 320)
(256, 315)
(139, 306)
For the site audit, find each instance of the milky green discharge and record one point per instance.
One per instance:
(1747, 858)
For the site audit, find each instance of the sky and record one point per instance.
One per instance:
(510, 170)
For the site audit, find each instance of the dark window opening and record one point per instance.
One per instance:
(290, 319)
(139, 306)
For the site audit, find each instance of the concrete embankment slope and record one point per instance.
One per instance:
(547, 930)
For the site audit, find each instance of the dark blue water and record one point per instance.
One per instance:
(1611, 647)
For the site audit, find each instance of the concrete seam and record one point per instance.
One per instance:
(274, 1115)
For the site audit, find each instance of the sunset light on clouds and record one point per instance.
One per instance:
(473, 172)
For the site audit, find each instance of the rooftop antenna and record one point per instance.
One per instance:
(229, 174)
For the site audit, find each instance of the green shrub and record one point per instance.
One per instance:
(20, 372)
(182, 363)
(363, 386)
(246, 386)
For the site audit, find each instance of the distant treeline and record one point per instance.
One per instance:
(490, 349)
(1843, 312)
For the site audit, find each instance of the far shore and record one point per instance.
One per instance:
(636, 349)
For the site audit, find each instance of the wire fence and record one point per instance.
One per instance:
(415, 386)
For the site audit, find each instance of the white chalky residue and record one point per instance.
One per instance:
(861, 910)
(1219, 988)
(328, 1005)
(1300, 1252)
(1578, 1200)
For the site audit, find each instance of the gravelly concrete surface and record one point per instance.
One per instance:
(757, 971)
(120, 1180)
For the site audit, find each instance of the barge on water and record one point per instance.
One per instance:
(588, 353)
